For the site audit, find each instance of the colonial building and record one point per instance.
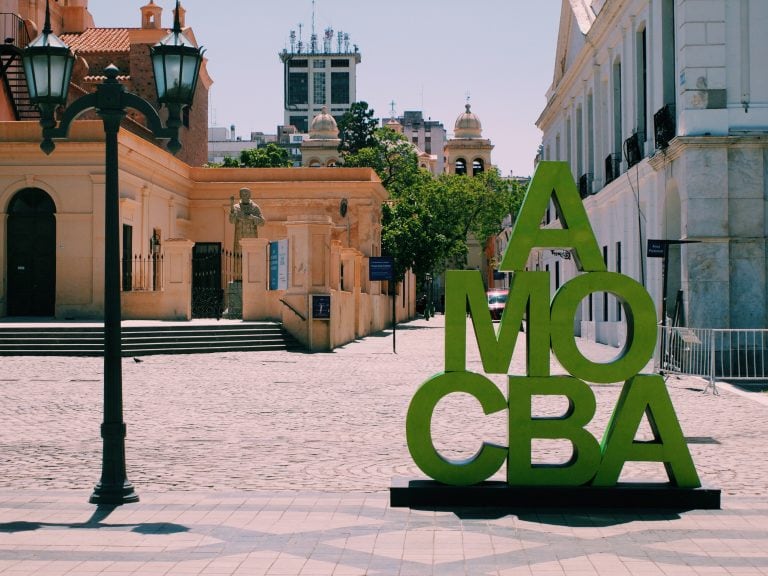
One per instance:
(661, 109)
(176, 236)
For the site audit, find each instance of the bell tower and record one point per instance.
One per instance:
(151, 16)
(468, 152)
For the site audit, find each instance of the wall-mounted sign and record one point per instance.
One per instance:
(656, 248)
(278, 265)
(381, 268)
(321, 306)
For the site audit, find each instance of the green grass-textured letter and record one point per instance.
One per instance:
(646, 394)
(553, 181)
(571, 426)
(418, 429)
(641, 327)
(527, 291)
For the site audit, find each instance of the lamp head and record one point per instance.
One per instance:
(48, 65)
(176, 62)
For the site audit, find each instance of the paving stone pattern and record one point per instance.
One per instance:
(278, 463)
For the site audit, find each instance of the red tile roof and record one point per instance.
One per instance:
(95, 40)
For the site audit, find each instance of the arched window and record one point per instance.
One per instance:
(478, 166)
(314, 163)
(461, 166)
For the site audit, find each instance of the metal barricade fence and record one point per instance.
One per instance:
(715, 354)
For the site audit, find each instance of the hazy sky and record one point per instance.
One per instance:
(422, 54)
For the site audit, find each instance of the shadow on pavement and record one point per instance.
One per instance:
(574, 519)
(95, 522)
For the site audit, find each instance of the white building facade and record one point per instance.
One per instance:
(661, 109)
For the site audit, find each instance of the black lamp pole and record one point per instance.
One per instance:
(48, 88)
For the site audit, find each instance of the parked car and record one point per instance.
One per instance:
(497, 299)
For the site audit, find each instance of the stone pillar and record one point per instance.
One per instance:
(255, 278)
(177, 281)
(309, 249)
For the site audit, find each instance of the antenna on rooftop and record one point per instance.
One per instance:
(313, 37)
(392, 109)
(293, 41)
(301, 41)
(327, 40)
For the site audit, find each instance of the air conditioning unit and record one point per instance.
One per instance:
(664, 126)
(632, 149)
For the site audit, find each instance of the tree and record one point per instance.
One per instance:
(269, 156)
(392, 157)
(357, 128)
(426, 223)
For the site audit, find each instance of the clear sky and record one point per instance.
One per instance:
(422, 54)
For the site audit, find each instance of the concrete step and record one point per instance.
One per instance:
(74, 340)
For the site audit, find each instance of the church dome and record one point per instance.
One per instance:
(468, 125)
(323, 127)
(394, 125)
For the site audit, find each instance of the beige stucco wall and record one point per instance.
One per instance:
(160, 192)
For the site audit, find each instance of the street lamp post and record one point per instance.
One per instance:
(48, 67)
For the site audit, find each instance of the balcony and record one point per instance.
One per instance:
(612, 167)
(664, 128)
(585, 185)
(633, 148)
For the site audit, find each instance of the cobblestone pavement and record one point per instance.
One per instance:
(279, 463)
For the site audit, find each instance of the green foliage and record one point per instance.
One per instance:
(357, 128)
(427, 221)
(269, 156)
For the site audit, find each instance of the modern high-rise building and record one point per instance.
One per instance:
(318, 76)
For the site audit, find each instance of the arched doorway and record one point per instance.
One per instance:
(31, 254)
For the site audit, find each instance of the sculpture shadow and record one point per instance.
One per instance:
(573, 518)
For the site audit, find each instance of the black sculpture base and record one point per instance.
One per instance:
(409, 493)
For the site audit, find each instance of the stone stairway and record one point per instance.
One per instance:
(88, 340)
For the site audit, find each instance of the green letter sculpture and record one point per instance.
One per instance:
(551, 326)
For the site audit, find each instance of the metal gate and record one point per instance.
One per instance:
(207, 291)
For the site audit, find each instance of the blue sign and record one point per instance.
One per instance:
(278, 265)
(381, 268)
(273, 265)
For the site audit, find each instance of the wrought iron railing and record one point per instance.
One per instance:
(143, 273)
(585, 185)
(664, 126)
(612, 167)
(13, 30)
(231, 267)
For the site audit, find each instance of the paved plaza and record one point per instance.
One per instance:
(279, 463)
